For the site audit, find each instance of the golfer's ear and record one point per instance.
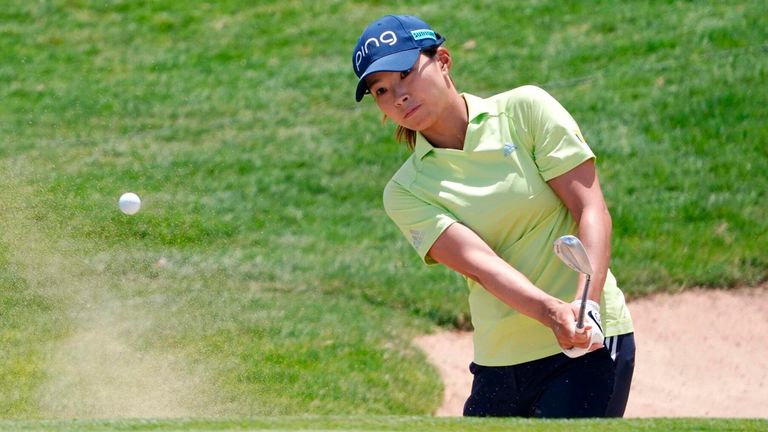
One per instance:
(444, 58)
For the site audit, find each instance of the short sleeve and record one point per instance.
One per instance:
(557, 143)
(420, 221)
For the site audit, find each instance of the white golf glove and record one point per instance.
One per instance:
(591, 318)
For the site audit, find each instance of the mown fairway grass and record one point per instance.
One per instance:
(395, 424)
(262, 277)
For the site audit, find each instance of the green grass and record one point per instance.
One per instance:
(28, 323)
(262, 266)
(393, 424)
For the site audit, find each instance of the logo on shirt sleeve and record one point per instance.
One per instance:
(417, 237)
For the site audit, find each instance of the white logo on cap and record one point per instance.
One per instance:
(388, 37)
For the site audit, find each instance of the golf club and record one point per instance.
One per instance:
(570, 250)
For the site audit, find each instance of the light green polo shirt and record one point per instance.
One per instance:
(497, 186)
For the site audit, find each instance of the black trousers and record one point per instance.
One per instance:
(557, 386)
(622, 350)
(552, 387)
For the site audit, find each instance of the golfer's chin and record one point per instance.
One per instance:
(423, 127)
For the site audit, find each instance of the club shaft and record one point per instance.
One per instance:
(583, 307)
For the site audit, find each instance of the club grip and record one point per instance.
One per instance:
(583, 307)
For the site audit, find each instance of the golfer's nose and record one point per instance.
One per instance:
(401, 95)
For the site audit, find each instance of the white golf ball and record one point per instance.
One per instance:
(129, 203)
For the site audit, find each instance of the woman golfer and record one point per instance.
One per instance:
(491, 184)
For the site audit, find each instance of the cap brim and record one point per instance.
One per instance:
(397, 62)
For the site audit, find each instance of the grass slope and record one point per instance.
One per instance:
(261, 276)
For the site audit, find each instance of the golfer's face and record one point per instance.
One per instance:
(411, 98)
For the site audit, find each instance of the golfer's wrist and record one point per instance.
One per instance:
(590, 303)
(595, 297)
(551, 311)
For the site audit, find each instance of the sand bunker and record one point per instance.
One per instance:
(700, 353)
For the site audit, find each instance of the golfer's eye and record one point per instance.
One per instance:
(404, 74)
(379, 91)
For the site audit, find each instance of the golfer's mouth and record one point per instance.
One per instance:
(411, 111)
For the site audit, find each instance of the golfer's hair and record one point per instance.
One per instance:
(407, 136)
(403, 134)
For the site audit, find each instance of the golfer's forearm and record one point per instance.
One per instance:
(460, 249)
(516, 291)
(595, 228)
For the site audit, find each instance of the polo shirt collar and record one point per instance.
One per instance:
(423, 147)
(477, 109)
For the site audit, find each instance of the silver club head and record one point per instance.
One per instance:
(570, 250)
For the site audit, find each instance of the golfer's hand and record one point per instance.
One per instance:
(591, 322)
(563, 324)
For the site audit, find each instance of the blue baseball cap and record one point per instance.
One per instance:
(391, 44)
